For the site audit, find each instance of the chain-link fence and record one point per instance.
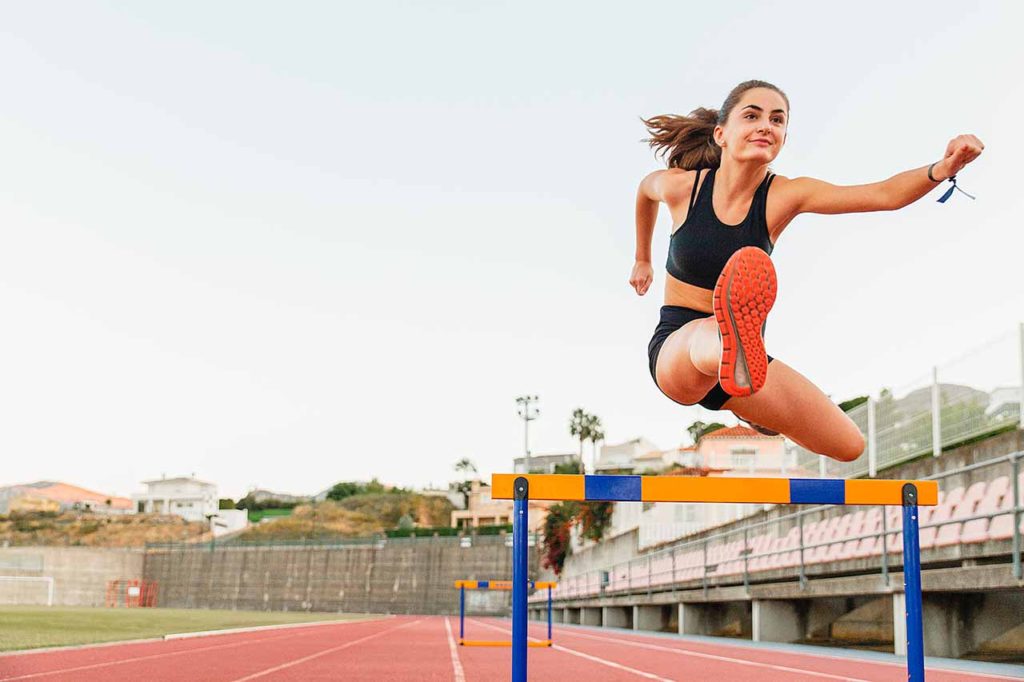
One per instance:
(972, 396)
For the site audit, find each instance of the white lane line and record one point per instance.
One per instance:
(460, 675)
(993, 676)
(740, 661)
(144, 658)
(595, 659)
(346, 645)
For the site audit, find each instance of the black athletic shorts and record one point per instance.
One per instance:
(672, 318)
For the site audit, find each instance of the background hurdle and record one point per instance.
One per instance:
(908, 494)
(464, 585)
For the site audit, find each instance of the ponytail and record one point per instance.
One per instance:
(685, 142)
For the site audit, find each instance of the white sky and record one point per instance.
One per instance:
(289, 244)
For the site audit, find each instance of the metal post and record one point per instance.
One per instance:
(746, 553)
(704, 575)
(803, 574)
(520, 568)
(462, 613)
(872, 440)
(1015, 460)
(936, 414)
(1021, 337)
(885, 546)
(912, 585)
(549, 613)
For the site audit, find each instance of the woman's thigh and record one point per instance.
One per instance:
(676, 374)
(790, 404)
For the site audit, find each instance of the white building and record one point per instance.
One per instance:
(623, 456)
(189, 498)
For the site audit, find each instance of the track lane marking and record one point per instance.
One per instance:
(460, 674)
(902, 666)
(595, 659)
(145, 658)
(331, 650)
(686, 652)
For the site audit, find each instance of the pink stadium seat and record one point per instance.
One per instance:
(872, 524)
(953, 497)
(949, 534)
(927, 516)
(976, 491)
(1001, 527)
(977, 529)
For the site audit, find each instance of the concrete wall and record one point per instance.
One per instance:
(80, 574)
(413, 575)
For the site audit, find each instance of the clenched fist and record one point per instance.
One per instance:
(641, 277)
(960, 151)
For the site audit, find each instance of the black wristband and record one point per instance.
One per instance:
(930, 176)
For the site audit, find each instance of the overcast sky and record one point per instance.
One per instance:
(286, 244)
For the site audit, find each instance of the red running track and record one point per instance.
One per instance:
(423, 648)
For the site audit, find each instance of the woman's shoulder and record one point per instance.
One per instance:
(670, 184)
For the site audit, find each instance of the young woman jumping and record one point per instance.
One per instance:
(728, 210)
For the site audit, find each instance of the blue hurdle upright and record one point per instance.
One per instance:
(908, 494)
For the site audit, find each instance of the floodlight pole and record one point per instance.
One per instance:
(527, 416)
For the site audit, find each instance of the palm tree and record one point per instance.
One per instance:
(594, 434)
(585, 427)
(466, 467)
(579, 426)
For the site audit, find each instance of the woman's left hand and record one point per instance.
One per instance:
(960, 151)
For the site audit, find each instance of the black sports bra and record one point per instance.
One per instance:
(699, 249)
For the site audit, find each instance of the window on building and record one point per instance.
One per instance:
(740, 458)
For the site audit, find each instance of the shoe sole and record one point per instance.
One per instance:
(743, 297)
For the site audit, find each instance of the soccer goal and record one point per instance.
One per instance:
(26, 590)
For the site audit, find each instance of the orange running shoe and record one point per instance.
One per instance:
(744, 294)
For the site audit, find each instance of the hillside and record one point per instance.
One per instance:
(355, 516)
(96, 530)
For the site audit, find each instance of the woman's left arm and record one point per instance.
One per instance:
(808, 195)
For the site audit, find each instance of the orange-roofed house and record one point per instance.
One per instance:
(731, 451)
(57, 496)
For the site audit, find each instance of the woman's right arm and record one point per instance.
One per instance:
(648, 196)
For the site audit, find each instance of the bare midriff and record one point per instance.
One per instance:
(686, 295)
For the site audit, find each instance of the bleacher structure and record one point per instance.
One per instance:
(983, 512)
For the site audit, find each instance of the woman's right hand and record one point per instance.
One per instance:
(641, 277)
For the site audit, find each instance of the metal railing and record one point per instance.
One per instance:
(937, 411)
(639, 571)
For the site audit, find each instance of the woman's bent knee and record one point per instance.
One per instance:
(848, 449)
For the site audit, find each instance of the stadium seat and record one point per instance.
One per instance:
(949, 534)
(927, 517)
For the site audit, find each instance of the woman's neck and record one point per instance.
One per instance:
(739, 179)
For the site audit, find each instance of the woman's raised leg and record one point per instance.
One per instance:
(688, 361)
(790, 404)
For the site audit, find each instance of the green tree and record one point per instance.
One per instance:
(585, 427)
(699, 429)
(225, 503)
(848, 405)
(467, 468)
(595, 433)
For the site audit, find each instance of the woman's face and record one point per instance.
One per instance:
(756, 127)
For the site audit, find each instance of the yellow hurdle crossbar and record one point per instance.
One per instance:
(499, 584)
(463, 585)
(504, 642)
(714, 489)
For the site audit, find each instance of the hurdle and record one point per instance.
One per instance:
(907, 494)
(463, 585)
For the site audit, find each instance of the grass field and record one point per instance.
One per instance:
(30, 627)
